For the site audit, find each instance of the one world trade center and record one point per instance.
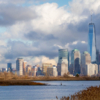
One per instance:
(92, 42)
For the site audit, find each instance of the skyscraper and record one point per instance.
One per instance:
(63, 62)
(92, 42)
(9, 67)
(24, 67)
(63, 54)
(75, 61)
(85, 60)
(19, 66)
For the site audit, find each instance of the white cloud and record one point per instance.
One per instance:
(50, 19)
(60, 47)
(83, 42)
(75, 42)
(47, 60)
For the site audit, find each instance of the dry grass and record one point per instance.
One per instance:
(18, 82)
(92, 93)
(11, 76)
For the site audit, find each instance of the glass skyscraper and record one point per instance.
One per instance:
(9, 67)
(75, 61)
(92, 42)
(63, 54)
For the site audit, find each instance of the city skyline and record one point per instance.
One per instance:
(36, 31)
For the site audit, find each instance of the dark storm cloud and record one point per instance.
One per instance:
(9, 14)
(39, 36)
(20, 49)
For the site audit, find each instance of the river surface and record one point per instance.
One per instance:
(49, 92)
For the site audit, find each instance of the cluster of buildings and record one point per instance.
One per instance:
(85, 64)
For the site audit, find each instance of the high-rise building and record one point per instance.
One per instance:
(85, 60)
(63, 54)
(24, 67)
(63, 62)
(29, 69)
(19, 66)
(75, 61)
(9, 67)
(92, 42)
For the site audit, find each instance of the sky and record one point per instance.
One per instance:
(36, 29)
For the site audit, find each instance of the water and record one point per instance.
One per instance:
(49, 92)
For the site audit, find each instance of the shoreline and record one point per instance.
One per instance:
(20, 83)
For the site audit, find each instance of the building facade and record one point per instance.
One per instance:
(45, 66)
(91, 69)
(52, 71)
(9, 67)
(92, 42)
(29, 69)
(19, 66)
(85, 60)
(63, 54)
(63, 62)
(24, 67)
(75, 62)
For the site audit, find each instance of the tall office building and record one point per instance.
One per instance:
(75, 61)
(63, 54)
(29, 69)
(24, 67)
(92, 42)
(63, 62)
(9, 67)
(19, 66)
(85, 60)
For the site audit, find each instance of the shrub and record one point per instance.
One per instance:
(77, 75)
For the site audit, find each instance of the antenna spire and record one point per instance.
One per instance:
(91, 16)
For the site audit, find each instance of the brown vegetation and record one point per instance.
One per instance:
(11, 76)
(92, 93)
(17, 82)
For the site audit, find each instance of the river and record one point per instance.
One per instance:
(49, 92)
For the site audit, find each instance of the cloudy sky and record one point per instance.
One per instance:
(36, 29)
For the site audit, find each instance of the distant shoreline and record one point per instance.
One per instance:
(55, 79)
(65, 79)
(19, 82)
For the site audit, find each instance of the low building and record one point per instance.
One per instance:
(45, 66)
(52, 71)
(62, 69)
(91, 69)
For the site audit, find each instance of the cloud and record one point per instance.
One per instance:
(47, 60)
(10, 14)
(60, 47)
(47, 27)
(75, 42)
(20, 1)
